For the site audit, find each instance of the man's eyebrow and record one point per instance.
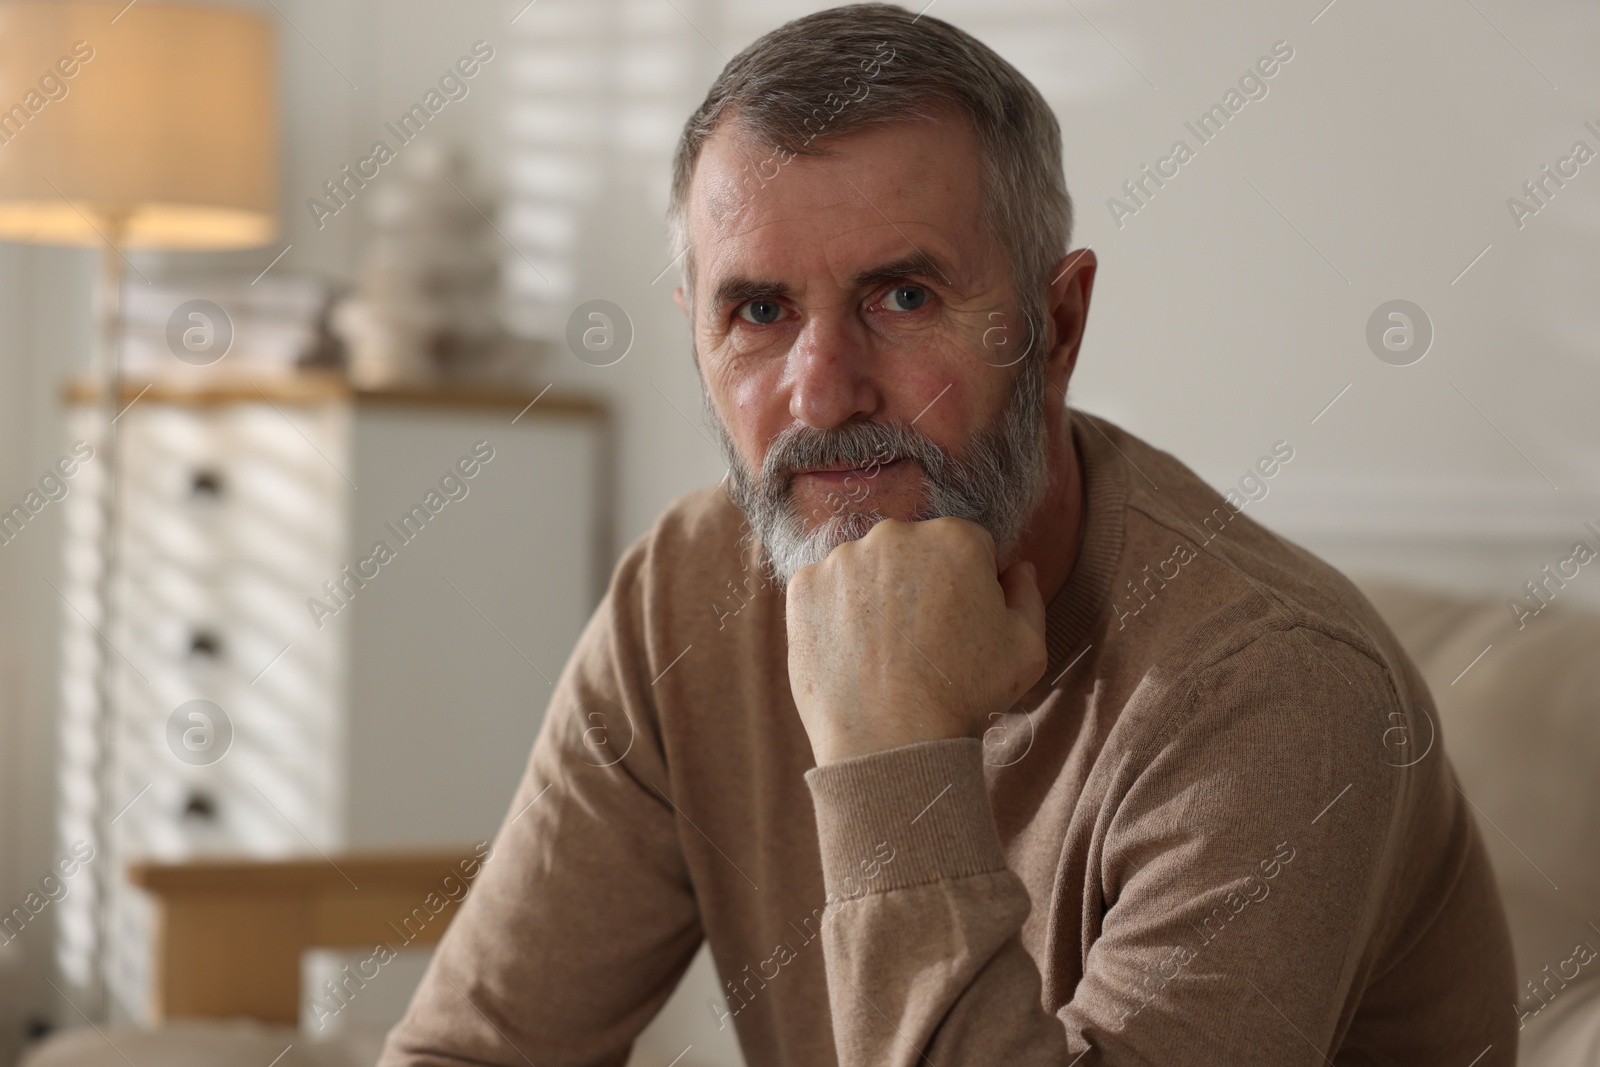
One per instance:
(918, 264)
(738, 290)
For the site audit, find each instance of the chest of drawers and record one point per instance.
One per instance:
(336, 618)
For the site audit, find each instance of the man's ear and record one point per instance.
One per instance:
(1068, 308)
(677, 296)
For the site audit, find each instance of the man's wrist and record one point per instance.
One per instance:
(862, 731)
(846, 744)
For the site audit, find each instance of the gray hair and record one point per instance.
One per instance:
(794, 86)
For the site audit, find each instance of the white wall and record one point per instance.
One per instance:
(43, 311)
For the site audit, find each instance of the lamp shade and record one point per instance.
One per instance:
(155, 121)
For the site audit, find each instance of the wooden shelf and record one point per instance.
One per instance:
(310, 873)
(321, 386)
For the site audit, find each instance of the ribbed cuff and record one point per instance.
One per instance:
(906, 816)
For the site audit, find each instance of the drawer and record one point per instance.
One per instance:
(241, 484)
(172, 619)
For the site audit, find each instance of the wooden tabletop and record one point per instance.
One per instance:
(324, 386)
(307, 873)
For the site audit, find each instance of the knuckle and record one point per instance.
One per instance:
(800, 584)
(967, 539)
(885, 530)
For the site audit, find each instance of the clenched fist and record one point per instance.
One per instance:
(908, 634)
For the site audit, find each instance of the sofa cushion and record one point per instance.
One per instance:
(204, 1043)
(1522, 729)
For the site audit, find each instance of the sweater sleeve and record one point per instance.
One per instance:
(583, 919)
(1236, 879)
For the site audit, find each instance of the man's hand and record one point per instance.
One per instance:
(908, 635)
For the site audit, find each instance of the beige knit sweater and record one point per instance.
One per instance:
(1220, 830)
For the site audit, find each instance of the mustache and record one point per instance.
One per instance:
(855, 445)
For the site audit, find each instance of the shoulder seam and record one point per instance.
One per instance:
(1183, 699)
(1294, 617)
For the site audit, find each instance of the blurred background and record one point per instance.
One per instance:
(1385, 254)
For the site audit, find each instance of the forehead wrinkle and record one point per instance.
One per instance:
(740, 273)
(730, 214)
(719, 201)
(731, 194)
(724, 199)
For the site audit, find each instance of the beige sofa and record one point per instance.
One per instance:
(1522, 727)
(1521, 723)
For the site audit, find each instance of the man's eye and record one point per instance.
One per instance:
(906, 298)
(761, 312)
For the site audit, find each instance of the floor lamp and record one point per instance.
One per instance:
(129, 126)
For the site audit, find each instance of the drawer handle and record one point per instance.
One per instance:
(200, 805)
(205, 643)
(206, 483)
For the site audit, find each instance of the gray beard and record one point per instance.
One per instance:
(998, 481)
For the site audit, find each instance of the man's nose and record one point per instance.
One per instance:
(830, 372)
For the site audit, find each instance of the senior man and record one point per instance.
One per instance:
(967, 728)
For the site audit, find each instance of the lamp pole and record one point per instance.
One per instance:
(107, 371)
